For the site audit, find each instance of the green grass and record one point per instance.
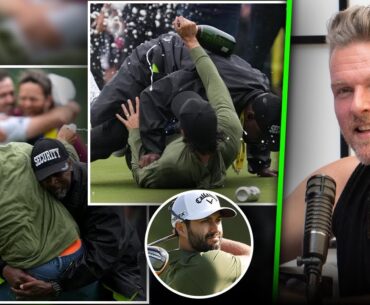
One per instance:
(112, 182)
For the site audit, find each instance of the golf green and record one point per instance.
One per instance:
(111, 182)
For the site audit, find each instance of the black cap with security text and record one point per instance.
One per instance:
(197, 204)
(48, 157)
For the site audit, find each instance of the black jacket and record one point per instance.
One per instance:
(111, 244)
(173, 71)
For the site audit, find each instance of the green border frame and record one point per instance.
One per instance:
(280, 191)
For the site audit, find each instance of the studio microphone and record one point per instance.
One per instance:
(320, 197)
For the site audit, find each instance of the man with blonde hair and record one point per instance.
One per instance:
(349, 41)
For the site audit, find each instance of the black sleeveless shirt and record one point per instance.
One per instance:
(351, 226)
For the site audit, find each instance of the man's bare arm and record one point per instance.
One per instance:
(243, 251)
(235, 247)
(53, 119)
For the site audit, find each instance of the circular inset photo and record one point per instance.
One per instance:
(199, 244)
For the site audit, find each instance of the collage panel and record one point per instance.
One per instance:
(177, 273)
(194, 266)
(324, 238)
(146, 85)
(44, 186)
(53, 245)
(151, 63)
(161, 126)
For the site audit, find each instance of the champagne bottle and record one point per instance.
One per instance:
(215, 40)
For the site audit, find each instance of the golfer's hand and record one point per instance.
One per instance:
(36, 289)
(147, 159)
(15, 277)
(187, 30)
(132, 117)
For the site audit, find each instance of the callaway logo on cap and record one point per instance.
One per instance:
(48, 157)
(197, 204)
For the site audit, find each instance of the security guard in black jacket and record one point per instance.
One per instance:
(111, 245)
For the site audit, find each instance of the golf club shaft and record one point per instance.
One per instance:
(168, 237)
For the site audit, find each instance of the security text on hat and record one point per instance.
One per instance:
(46, 156)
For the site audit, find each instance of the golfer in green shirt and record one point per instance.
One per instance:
(211, 130)
(37, 234)
(205, 263)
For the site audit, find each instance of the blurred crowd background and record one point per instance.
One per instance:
(117, 28)
(43, 32)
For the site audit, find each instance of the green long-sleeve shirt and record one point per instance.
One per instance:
(202, 273)
(34, 227)
(178, 165)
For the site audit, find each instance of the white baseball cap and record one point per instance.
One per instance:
(197, 204)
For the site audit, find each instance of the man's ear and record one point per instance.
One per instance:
(181, 229)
